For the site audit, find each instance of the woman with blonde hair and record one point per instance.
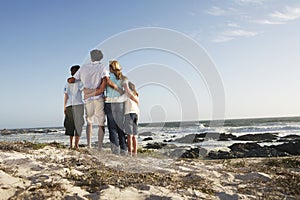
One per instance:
(114, 108)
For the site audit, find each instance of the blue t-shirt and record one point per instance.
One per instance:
(110, 92)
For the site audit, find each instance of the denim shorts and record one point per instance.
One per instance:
(131, 127)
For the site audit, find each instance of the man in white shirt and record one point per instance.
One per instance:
(94, 75)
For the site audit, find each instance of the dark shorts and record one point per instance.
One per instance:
(131, 127)
(74, 120)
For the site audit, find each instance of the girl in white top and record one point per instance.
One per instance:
(131, 118)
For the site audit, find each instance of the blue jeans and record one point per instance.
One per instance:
(115, 122)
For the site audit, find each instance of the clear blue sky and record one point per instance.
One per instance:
(253, 43)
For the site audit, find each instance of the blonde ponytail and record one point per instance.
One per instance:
(116, 69)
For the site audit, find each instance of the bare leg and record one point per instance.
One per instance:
(77, 142)
(134, 143)
(71, 142)
(129, 144)
(89, 130)
(100, 137)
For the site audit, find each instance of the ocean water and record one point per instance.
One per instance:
(170, 131)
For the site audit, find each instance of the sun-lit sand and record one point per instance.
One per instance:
(28, 171)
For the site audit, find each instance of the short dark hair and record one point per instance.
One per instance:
(96, 55)
(74, 69)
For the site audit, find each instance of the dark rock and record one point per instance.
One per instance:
(223, 195)
(5, 132)
(244, 147)
(177, 153)
(22, 131)
(43, 131)
(192, 177)
(245, 150)
(191, 138)
(292, 137)
(8, 132)
(212, 136)
(148, 133)
(147, 139)
(186, 139)
(195, 138)
(288, 138)
(194, 153)
(255, 150)
(39, 131)
(155, 145)
(226, 137)
(262, 137)
(144, 187)
(292, 147)
(220, 154)
(167, 140)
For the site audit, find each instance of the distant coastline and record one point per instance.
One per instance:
(228, 121)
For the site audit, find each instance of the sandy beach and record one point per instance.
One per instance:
(52, 171)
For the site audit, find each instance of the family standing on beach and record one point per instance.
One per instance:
(107, 93)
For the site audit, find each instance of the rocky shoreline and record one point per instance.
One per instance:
(246, 145)
(52, 171)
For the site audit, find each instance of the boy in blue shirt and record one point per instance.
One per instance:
(73, 109)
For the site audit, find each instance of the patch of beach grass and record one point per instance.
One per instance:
(26, 145)
(284, 163)
(150, 152)
(285, 178)
(95, 176)
(45, 190)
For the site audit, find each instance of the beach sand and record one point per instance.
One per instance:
(36, 171)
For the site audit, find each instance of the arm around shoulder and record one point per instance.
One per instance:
(114, 86)
(98, 91)
(130, 94)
